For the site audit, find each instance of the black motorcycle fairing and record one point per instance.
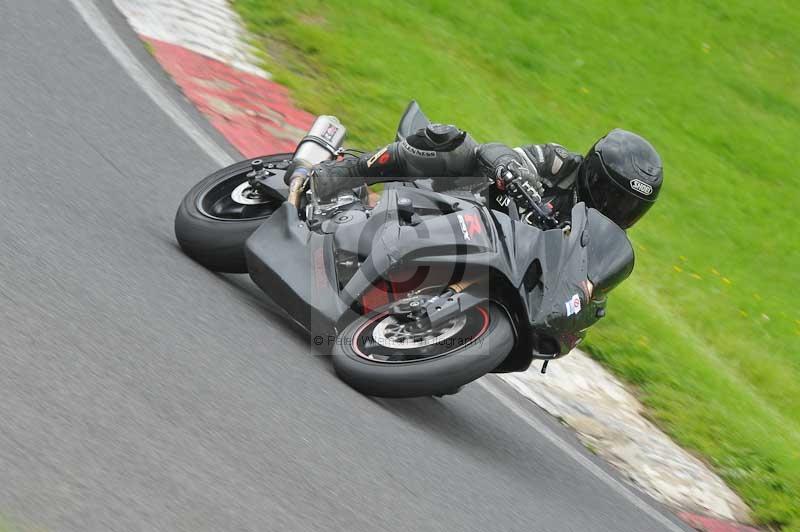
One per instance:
(540, 277)
(553, 270)
(442, 232)
(293, 266)
(560, 289)
(298, 266)
(611, 257)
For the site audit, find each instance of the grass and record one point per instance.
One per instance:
(708, 327)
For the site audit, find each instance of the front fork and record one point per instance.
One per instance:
(438, 310)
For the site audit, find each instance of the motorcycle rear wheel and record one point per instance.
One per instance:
(219, 213)
(372, 355)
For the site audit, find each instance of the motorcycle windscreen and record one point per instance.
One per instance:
(610, 254)
(413, 119)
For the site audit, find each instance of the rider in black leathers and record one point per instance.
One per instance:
(620, 176)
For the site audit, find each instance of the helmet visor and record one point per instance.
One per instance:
(603, 192)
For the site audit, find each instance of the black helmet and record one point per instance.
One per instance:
(621, 177)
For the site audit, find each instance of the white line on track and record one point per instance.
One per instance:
(95, 19)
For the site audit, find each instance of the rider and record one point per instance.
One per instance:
(620, 176)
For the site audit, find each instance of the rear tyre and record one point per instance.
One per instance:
(373, 356)
(220, 213)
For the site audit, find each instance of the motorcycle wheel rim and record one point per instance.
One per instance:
(452, 336)
(233, 199)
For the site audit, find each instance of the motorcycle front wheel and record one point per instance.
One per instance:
(219, 213)
(382, 355)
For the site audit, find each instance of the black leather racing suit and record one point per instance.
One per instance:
(441, 151)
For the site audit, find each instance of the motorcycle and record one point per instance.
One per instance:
(416, 290)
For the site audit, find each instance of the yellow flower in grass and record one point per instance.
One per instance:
(677, 268)
(743, 313)
(726, 280)
(683, 258)
(714, 271)
(695, 276)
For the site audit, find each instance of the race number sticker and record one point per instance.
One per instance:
(573, 305)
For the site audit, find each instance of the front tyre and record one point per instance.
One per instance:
(379, 355)
(221, 212)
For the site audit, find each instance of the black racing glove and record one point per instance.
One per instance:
(520, 182)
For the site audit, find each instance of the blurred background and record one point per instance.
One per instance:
(707, 328)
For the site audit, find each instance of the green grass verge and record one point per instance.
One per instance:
(708, 327)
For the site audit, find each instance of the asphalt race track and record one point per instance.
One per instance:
(139, 391)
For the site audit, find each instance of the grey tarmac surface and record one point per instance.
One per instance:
(139, 391)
